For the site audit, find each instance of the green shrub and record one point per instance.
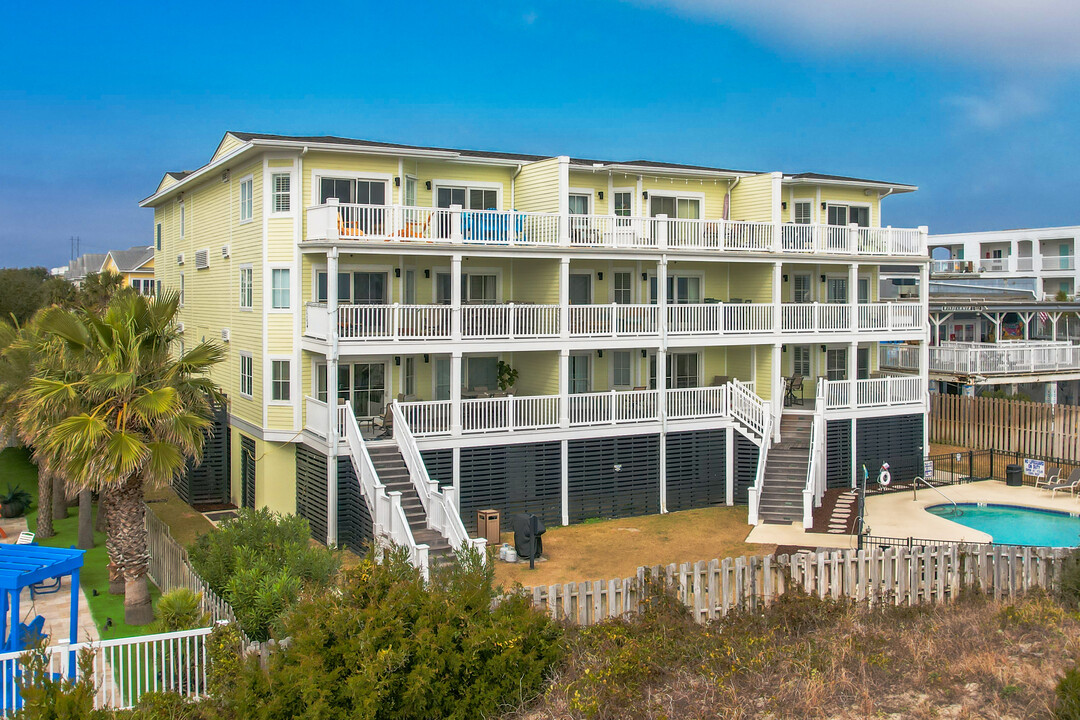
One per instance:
(261, 562)
(47, 698)
(1068, 696)
(387, 644)
(180, 609)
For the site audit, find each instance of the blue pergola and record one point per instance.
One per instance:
(23, 566)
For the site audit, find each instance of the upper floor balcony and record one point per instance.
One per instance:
(336, 222)
(513, 321)
(1020, 357)
(1010, 264)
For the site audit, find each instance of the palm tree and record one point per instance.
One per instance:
(19, 349)
(130, 414)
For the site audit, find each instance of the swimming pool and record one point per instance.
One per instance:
(1015, 525)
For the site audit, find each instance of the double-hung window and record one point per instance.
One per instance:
(247, 203)
(246, 374)
(279, 288)
(157, 236)
(623, 294)
(280, 380)
(623, 203)
(620, 368)
(282, 184)
(183, 221)
(836, 363)
(803, 210)
(246, 285)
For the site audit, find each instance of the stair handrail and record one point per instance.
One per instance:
(747, 407)
(812, 492)
(389, 517)
(439, 504)
(753, 495)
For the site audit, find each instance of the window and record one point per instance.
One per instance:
(800, 360)
(682, 370)
(579, 204)
(675, 207)
(363, 192)
(482, 372)
(622, 284)
(681, 290)
(836, 290)
(578, 377)
(157, 236)
(844, 215)
(442, 378)
(279, 380)
(801, 289)
(181, 289)
(246, 284)
(158, 288)
(620, 369)
(410, 376)
(362, 384)
(483, 199)
(803, 210)
(182, 219)
(281, 184)
(246, 202)
(442, 289)
(246, 364)
(623, 204)
(481, 289)
(410, 287)
(360, 288)
(279, 288)
(410, 191)
(836, 363)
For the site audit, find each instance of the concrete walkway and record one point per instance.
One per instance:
(901, 515)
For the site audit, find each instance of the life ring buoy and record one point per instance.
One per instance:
(884, 477)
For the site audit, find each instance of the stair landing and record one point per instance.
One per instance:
(394, 474)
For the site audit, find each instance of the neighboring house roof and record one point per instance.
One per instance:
(133, 258)
(249, 140)
(85, 264)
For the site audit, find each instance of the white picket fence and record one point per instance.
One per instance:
(122, 669)
(875, 576)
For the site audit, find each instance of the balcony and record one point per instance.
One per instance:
(885, 392)
(545, 412)
(335, 222)
(988, 359)
(523, 321)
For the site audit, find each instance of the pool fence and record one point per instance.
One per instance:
(1006, 425)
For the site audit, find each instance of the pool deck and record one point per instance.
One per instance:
(898, 515)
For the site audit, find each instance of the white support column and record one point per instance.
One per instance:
(455, 392)
(564, 387)
(853, 367)
(853, 296)
(564, 200)
(565, 472)
(564, 298)
(924, 348)
(777, 296)
(332, 438)
(457, 479)
(777, 390)
(455, 297)
(1051, 393)
(661, 384)
(856, 470)
(663, 472)
(729, 465)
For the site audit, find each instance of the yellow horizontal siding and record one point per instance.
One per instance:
(537, 186)
(752, 198)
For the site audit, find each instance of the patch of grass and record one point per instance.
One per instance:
(604, 549)
(16, 467)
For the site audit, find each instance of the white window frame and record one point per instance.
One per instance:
(794, 207)
(248, 269)
(809, 359)
(847, 285)
(849, 205)
(270, 271)
(272, 360)
(589, 195)
(182, 289)
(465, 273)
(244, 355)
(183, 220)
(589, 379)
(466, 381)
(811, 287)
(633, 285)
(633, 200)
(466, 186)
(652, 276)
(405, 191)
(249, 207)
(317, 174)
(630, 369)
(275, 173)
(679, 195)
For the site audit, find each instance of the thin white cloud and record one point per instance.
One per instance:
(1026, 32)
(1005, 106)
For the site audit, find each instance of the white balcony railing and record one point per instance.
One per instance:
(989, 358)
(887, 392)
(951, 267)
(613, 320)
(333, 221)
(507, 321)
(720, 318)
(540, 412)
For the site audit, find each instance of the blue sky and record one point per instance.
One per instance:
(974, 101)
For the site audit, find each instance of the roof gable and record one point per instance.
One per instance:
(228, 143)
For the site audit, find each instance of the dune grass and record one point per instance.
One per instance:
(17, 468)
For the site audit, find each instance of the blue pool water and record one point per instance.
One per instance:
(1014, 525)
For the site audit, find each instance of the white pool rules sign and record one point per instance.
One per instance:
(1034, 468)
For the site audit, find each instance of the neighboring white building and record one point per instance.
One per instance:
(1037, 262)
